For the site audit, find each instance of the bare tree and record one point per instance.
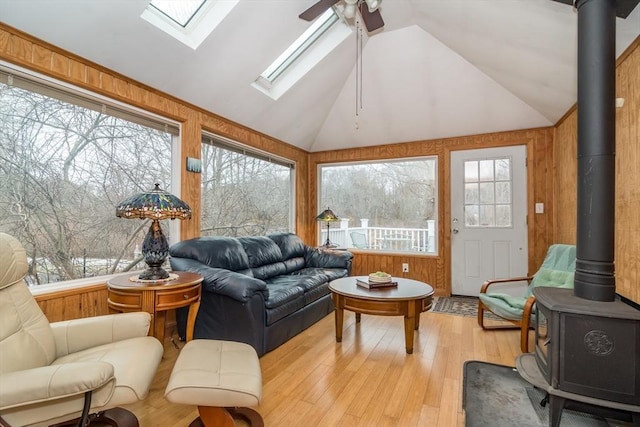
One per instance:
(243, 195)
(389, 194)
(63, 169)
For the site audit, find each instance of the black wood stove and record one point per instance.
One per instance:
(588, 338)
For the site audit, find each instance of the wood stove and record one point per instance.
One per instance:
(588, 348)
(587, 338)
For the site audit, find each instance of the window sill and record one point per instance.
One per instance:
(52, 288)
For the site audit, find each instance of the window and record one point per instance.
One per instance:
(487, 193)
(389, 206)
(245, 192)
(188, 21)
(66, 160)
(326, 32)
(181, 11)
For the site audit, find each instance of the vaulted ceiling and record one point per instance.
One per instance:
(437, 69)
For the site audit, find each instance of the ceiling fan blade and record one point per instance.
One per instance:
(317, 9)
(372, 20)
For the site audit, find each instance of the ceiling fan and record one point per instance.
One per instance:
(369, 10)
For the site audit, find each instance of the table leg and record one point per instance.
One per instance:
(191, 319)
(418, 312)
(339, 311)
(159, 322)
(358, 316)
(409, 326)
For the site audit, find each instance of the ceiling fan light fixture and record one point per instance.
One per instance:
(373, 5)
(349, 11)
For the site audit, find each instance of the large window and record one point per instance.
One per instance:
(244, 192)
(388, 206)
(66, 160)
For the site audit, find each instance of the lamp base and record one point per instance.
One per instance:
(155, 250)
(154, 273)
(329, 245)
(138, 279)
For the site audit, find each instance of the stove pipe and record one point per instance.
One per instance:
(594, 277)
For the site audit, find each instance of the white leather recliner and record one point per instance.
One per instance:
(51, 373)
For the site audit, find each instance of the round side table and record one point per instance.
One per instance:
(155, 297)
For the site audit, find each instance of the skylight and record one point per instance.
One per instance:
(181, 11)
(303, 54)
(188, 21)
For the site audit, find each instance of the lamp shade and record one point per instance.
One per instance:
(327, 216)
(155, 205)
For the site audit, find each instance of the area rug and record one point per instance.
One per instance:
(497, 396)
(459, 306)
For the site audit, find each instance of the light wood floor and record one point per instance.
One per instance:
(367, 380)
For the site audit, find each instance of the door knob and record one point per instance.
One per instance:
(455, 231)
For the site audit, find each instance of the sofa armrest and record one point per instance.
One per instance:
(79, 334)
(47, 383)
(323, 258)
(224, 282)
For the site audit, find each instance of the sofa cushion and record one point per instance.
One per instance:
(290, 245)
(316, 293)
(284, 299)
(265, 258)
(304, 282)
(293, 264)
(327, 274)
(316, 257)
(313, 286)
(217, 252)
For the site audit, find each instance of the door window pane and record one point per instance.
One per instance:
(503, 192)
(487, 193)
(486, 170)
(471, 193)
(503, 215)
(503, 170)
(470, 171)
(487, 203)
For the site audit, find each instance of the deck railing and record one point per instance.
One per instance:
(421, 240)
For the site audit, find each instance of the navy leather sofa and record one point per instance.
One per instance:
(258, 290)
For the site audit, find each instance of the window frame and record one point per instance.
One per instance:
(434, 157)
(240, 148)
(14, 75)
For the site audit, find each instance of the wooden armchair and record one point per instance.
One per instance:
(557, 270)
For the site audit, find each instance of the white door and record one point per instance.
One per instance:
(488, 218)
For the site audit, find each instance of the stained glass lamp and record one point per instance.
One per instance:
(327, 216)
(155, 205)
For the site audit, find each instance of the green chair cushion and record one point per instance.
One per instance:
(504, 305)
(557, 270)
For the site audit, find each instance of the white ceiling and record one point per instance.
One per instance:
(438, 69)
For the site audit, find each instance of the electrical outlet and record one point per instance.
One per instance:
(405, 267)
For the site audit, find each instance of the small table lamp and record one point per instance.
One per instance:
(328, 216)
(155, 205)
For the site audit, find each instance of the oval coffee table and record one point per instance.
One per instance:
(408, 299)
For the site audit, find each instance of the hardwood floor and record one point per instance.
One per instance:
(367, 380)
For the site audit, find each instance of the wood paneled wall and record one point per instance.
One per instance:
(68, 304)
(550, 176)
(627, 213)
(436, 270)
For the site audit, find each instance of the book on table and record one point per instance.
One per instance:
(375, 285)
